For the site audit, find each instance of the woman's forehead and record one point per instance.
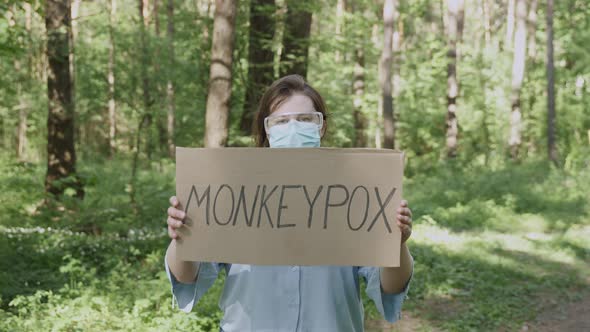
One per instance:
(295, 104)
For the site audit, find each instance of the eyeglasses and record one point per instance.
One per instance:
(316, 118)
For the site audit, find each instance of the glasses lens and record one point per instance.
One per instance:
(277, 120)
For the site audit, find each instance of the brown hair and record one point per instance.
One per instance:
(279, 91)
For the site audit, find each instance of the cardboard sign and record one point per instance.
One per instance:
(306, 206)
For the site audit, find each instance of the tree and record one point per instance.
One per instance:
(296, 39)
(518, 66)
(25, 104)
(551, 145)
(340, 7)
(145, 119)
(112, 106)
(220, 77)
(358, 78)
(389, 13)
(358, 86)
(509, 24)
(260, 58)
(532, 27)
(170, 83)
(161, 116)
(61, 153)
(455, 13)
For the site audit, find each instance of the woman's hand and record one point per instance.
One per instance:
(175, 218)
(404, 220)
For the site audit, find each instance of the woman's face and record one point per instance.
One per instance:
(297, 104)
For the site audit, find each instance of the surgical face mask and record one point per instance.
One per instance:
(294, 134)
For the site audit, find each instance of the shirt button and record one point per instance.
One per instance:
(294, 268)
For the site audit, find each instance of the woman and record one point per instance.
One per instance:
(291, 298)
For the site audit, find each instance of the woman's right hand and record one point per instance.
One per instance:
(175, 218)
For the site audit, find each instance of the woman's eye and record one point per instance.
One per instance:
(280, 121)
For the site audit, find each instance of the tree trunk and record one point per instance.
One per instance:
(358, 86)
(487, 27)
(455, 14)
(385, 73)
(111, 79)
(376, 44)
(73, 35)
(296, 39)
(551, 144)
(144, 49)
(170, 84)
(220, 77)
(532, 27)
(518, 66)
(396, 44)
(260, 58)
(25, 104)
(340, 6)
(161, 116)
(61, 153)
(509, 24)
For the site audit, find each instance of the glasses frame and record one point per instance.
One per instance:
(320, 125)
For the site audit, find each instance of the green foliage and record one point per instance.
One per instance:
(487, 243)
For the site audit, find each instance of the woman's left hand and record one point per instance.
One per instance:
(404, 220)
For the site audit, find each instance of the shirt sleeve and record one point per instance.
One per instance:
(388, 305)
(187, 295)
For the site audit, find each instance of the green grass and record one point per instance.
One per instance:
(491, 249)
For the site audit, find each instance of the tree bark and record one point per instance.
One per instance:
(145, 81)
(260, 59)
(532, 27)
(455, 13)
(24, 104)
(296, 39)
(161, 115)
(509, 24)
(220, 77)
(61, 153)
(340, 6)
(112, 106)
(518, 66)
(487, 27)
(551, 141)
(73, 35)
(170, 83)
(389, 9)
(358, 86)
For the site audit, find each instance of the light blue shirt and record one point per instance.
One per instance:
(290, 298)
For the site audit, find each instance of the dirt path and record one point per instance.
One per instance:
(556, 317)
(574, 317)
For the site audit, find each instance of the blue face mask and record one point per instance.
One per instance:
(294, 134)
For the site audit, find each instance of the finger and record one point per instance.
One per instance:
(173, 201)
(404, 211)
(404, 203)
(174, 223)
(404, 219)
(407, 212)
(405, 229)
(172, 233)
(175, 213)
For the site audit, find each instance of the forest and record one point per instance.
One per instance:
(488, 99)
